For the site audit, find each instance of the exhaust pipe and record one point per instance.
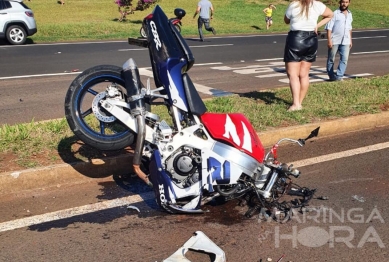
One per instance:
(130, 74)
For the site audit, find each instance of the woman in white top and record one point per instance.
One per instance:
(301, 44)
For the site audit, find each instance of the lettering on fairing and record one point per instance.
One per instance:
(162, 194)
(157, 42)
(231, 132)
(215, 169)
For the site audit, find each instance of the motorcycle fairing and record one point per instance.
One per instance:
(224, 168)
(167, 193)
(236, 130)
(170, 56)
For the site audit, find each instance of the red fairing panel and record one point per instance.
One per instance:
(236, 130)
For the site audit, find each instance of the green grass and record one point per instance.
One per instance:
(98, 19)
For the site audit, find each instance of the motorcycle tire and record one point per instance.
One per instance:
(142, 32)
(86, 90)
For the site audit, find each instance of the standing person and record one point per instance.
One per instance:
(268, 15)
(339, 30)
(301, 44)
(205, 8)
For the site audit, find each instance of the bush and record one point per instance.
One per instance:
(127, 7)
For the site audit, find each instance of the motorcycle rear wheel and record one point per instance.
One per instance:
(92, 124)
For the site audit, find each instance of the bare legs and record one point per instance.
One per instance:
(298, 74)
(268, 24)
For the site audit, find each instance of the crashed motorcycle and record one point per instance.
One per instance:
(194, 157)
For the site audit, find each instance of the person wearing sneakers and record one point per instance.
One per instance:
(205, 8)
(339, 32)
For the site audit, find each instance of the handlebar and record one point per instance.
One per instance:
(300, 142)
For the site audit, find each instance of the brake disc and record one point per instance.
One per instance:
(98, 110)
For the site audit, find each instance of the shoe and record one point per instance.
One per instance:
(331, 78)
(201, 40)
(213, 31)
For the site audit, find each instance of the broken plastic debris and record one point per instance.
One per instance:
(359, 198)
(281, 258)
(198, 242)
(15, 174)
(323, 198)
(133, 207)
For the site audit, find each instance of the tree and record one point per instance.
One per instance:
(127, 7)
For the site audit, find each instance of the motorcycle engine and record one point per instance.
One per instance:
(184, 165)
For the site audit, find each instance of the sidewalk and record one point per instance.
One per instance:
(102, 169)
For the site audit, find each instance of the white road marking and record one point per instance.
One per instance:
(133, 49)
(200, 46)
(339, 155)
(206, 64)
(271, 75)
(350, 180)
(211, 91)
(270, 59)
(76, 211)
(147, 71)
(274, 69)
(369, 37)
(27, 76)
(200, 88)
(194, 46)
(320, 78)
(372, 52)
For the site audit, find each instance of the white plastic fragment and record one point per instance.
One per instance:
(133, 207)
(199, 242)
(358, 198)
(15, 174)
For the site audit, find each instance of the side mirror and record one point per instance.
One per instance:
(314, 133)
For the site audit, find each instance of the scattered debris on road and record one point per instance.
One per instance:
(198, 242)
(133, 207)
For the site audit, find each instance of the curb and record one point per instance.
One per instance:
(103, 169)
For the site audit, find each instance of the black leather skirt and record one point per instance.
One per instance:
(301, 46)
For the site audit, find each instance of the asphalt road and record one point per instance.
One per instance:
(349, 226)
(34, 78)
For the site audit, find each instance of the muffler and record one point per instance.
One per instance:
(133, 85)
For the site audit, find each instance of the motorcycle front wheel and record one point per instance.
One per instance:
(91, 123)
